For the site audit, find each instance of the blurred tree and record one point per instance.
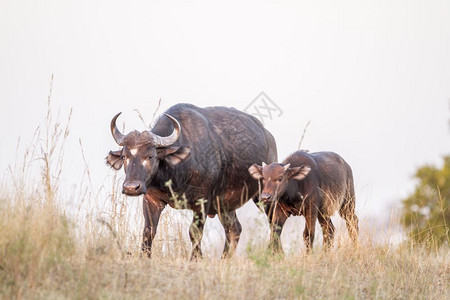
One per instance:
(426, 212)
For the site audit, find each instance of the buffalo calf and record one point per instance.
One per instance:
(314, 185)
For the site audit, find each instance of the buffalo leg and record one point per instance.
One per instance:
(196, 234)
(276, 221)
(327, 229)
(152, 212)
(347, 212)
(310, 226)
(233, 231)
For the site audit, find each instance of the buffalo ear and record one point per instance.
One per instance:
(115, 159)
(256, 171)
(298, 173)
(173, 155)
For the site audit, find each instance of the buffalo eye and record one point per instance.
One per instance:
(280, 179)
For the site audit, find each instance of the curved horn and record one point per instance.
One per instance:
(172, 138)
(117, 135)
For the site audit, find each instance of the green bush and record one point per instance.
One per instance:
(425, 212)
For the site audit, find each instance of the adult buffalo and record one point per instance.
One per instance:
(204, 155)
(314, 185)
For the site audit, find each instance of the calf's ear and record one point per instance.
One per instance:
(173, 155)
(298, 173)
(256, 171)
(115, 159)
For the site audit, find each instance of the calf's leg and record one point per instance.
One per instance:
(277, 218)
(310, 214)
(347, 212)
(327, 229)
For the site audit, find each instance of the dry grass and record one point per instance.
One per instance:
(40, 258)
(47, 254)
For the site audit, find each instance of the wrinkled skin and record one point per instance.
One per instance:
(205, 161)
(314, 185)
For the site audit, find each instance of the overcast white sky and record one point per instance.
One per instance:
(373, 77)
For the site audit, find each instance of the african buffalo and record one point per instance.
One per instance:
(204, 155)
(314, 185)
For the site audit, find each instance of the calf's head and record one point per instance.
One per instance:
(275, 178)
(141, 154)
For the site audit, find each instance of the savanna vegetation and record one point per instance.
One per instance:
(426, 213)
(48, 253)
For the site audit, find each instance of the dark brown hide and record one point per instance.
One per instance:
(206, 165)
(314, 185)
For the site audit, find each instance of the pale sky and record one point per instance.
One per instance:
(373, 77)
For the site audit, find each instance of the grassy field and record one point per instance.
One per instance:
(46, 253)
(41, 256)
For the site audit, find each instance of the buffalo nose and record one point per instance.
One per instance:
(266, 197)
(132, 188)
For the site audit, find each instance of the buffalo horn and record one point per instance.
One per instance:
(166, 141)
(117, 135)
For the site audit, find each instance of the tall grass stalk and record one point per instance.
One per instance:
(35, 236)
